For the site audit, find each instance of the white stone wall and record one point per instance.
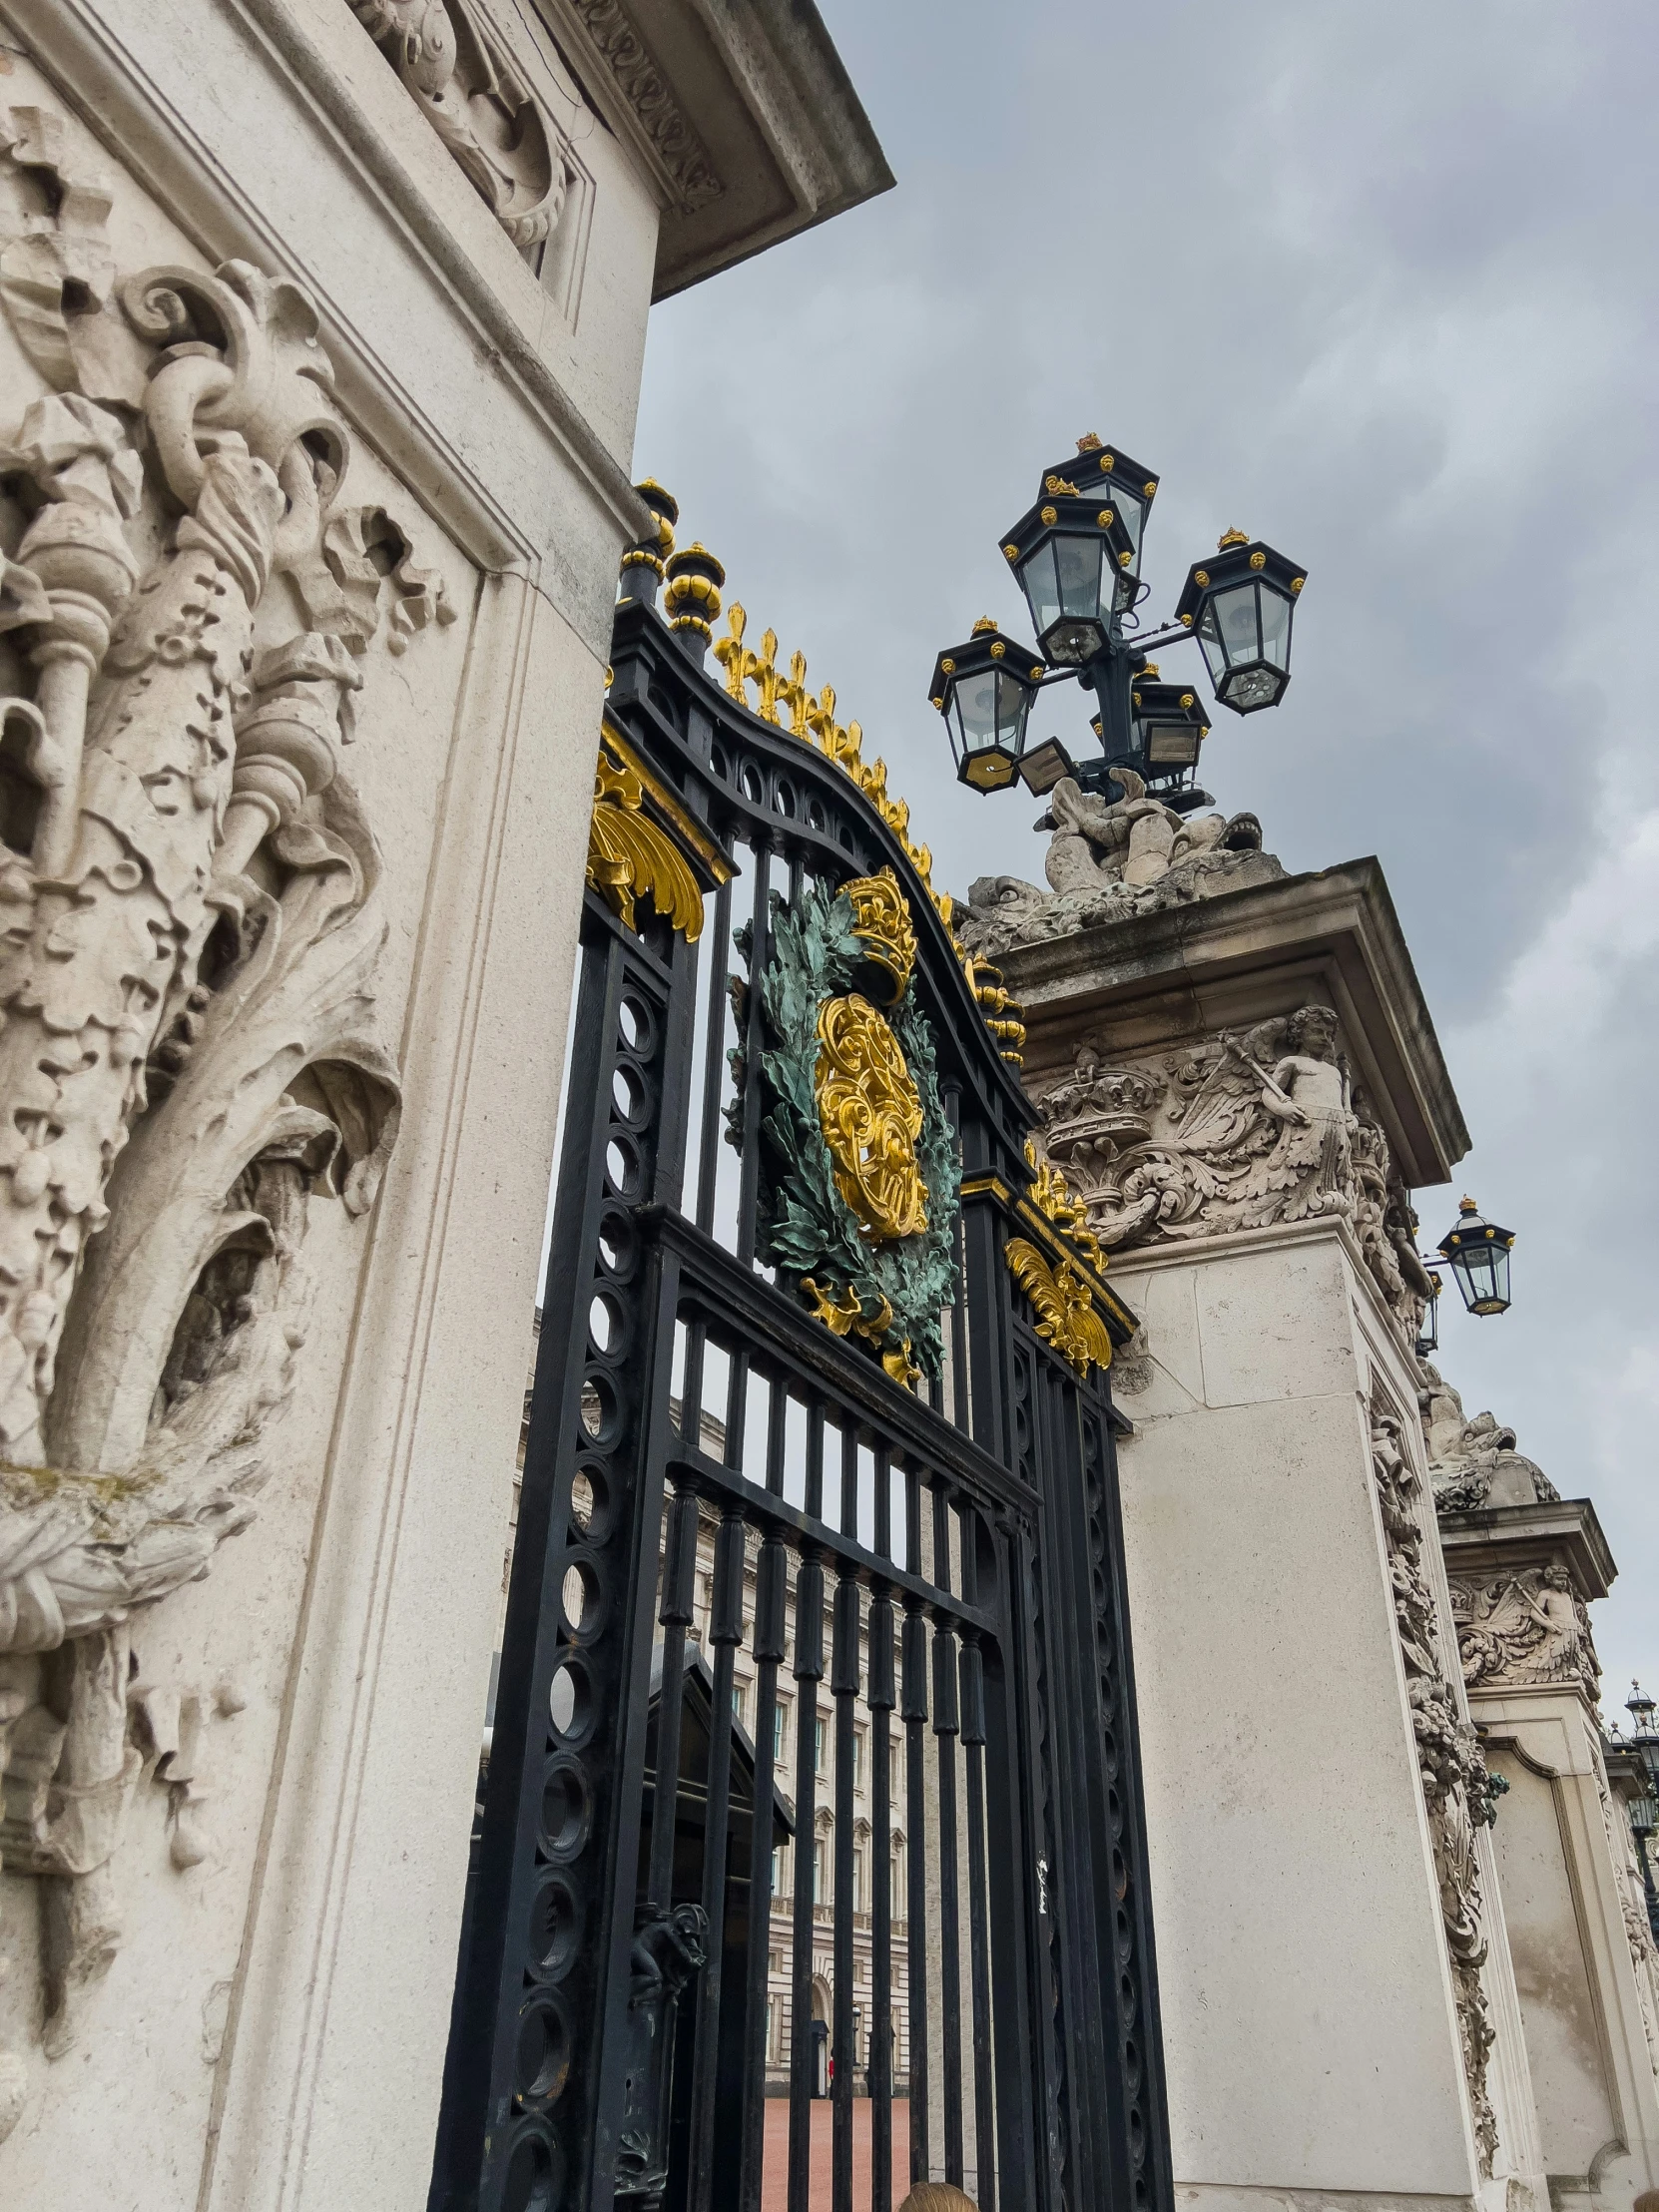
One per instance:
(271, 2030)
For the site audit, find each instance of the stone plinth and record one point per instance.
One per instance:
(1244, 1089)
(1522, 1576)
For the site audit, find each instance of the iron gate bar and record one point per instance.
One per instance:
(567, 1979)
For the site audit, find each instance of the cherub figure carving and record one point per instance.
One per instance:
(1530, 1627)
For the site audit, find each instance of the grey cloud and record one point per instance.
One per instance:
(1379, 285)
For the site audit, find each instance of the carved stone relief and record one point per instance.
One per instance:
(1524, 1629)
(190, 934)
(1644, 1953)
(1244, 1132)
(1109, 858)
(466, 82)
(1456, 1787)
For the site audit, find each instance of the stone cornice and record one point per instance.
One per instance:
(1499, 1540)
(1188, 971)
(740, 110)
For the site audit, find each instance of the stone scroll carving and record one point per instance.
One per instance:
(1644, 1953)
(1109, 858)
(464, 81)
(1456, 1787)
(1244, 1132)
(642, 84)
(190, 935)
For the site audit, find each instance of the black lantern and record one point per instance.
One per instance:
(1075, 558)
(1479, 1252)
(984, 690)
(1240, 604)
(1104, 469)
(1640, 1708)
(1169, 723)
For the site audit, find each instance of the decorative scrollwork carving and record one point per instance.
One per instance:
(1066, 1316)
(464, 81)
(189, 1054)
(1459, 1794)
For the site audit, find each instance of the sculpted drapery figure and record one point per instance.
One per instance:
(189, 938)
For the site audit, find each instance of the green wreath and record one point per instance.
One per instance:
(891, 1293)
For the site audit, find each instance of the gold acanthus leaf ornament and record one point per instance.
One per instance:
(1066, 1316)
(629, 857)
(871, 1114)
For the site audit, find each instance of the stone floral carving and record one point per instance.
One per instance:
(1457, 1790)
(464, 81)
(1524, 1629)
(189, 938)
(1110, 858)
(1473, 1464)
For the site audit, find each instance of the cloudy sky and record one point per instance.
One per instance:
(1378, 285)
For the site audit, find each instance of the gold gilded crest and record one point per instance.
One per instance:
(882, 923)
(871, 1114)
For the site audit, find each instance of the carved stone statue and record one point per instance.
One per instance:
(189, 941)
(1474, 1463)
(1108, 857)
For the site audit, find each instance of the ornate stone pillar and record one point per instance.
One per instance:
(1525, 1563)
(1239, 1078)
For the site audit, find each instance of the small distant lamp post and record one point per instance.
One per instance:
(1076, 556)
(1478, 1252)
(984, 690)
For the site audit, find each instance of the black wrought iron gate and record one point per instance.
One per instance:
(814, 1762)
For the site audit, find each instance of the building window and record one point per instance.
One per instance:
(895, 1780)
(774, 1960)
(777, 1869)
(857, 1757)
(740, 1704)
(897, 1878)
(819, 1741)
(772, 2030)
(778, 1732)
(820, 1871)
(857, 1882)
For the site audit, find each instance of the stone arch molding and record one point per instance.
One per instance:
(191, 933)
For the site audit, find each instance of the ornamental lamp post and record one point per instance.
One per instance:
(984, 690)
(1478, 1252)
(1076, 555)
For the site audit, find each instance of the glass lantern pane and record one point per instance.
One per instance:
(1235, 616)
(1209, 637)
(1012, 705)
(1501, 1272)
(977, 699)
(1042, 591)
(1079, 566)
(1275, 626)
(1253, 687)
